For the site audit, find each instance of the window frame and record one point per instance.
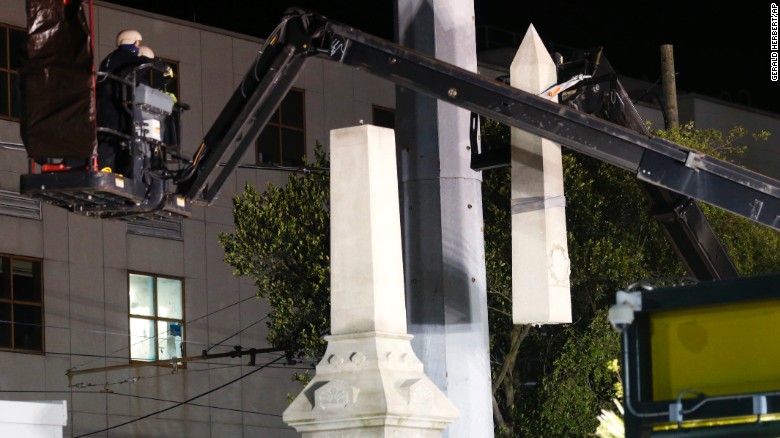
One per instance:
(279, 126)
(12, 301)
(375, 108)
(156, 319)
(175, 67)
(5, 67)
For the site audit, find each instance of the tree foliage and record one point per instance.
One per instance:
(282, 242)
(559, 382)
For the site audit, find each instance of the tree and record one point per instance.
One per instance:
(554, 380)
(282, 242)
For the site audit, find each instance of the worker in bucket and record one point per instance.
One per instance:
(111, 114)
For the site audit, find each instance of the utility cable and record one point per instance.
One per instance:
(155, 336)
(221, 309)
(143, 417)
(238, 332)
(137, 396)
(136, 379)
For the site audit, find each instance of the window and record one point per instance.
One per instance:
(283, 140)
(384, 117)
(156, 80)
(21, 304)
(156, 317)
(12, 45)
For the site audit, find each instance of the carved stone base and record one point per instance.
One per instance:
(370, 385)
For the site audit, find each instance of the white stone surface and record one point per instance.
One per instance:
(540, 256)
(369, 383)
(42, 419)
(366, 266)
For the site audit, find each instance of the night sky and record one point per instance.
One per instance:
(718, 51)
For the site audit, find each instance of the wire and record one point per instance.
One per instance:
(180, 403)
(136, 396)
(155, 336)
(221, 309)
(238, 332)
(195, 404)
(304, 169)
(135, 379)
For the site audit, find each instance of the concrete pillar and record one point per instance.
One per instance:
(540, 255)
(369, 383)
(441, 210)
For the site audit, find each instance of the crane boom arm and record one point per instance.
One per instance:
(302, 34)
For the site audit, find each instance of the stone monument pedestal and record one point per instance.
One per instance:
(369, 383)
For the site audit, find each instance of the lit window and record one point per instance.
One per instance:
(283, 140)
(12, 45)
(21, 304)
(156, 317)
(384, 117)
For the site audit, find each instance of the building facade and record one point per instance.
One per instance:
(80, 293)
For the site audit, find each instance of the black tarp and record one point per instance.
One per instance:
(57, 82)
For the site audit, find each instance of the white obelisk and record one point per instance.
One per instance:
(540, 256)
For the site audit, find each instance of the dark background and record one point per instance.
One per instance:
(721, 52)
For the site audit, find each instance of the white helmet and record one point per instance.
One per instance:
(146, 51)
(128, 36)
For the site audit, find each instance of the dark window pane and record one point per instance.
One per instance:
(5, 325)
(294, 149)
(5, 278)
(274, 120)
(292, 109)
(268, 146)
(16, 47)
(3, 47)
(28, 333)
(155, 78)
(384, 118)
(16, 97)
(173, 84)
(4, 97)
(27, 280)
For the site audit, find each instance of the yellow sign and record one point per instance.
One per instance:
(716, 350)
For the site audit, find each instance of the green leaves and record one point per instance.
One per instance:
(559, 384)
(282, 241)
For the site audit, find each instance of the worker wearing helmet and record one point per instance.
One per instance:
(128, 42)
(110, 111)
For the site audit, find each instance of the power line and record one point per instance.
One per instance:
(135, 379)
(156, 336)
(221, 309)
(238, 332)
(180, 403)
(139, 397)
(99, 332)
(177, 361)
(195, 404)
